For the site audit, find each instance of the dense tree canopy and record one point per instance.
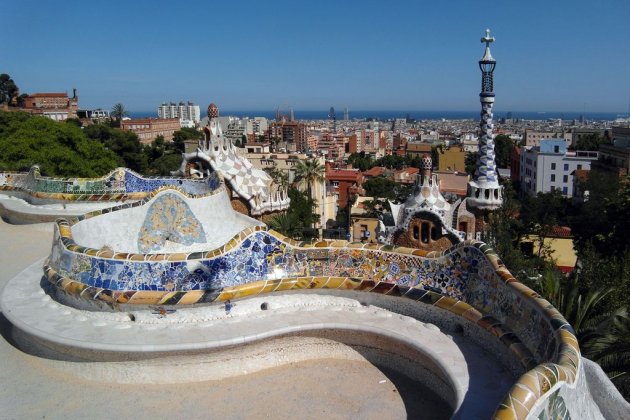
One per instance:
(125, 144)
(184, 134)
(381, 187)
(503, 146)
(58, 148)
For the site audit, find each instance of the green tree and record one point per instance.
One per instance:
(503, 233)
(589, 142)
(380, 187)
(470, 162)
(8, 89)
(124, 143)
(360, 161)
(183, 135)
(503, 146)
(604, 335)
(59, 149)
(287, 224)
(541, 213)
(374, 208)
(612, 351)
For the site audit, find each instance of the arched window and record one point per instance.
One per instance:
(434, 233)
(424, 233)
(416, 232)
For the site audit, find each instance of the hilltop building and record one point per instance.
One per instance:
(56, 106)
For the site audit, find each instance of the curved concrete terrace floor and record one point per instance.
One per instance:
(29, 372)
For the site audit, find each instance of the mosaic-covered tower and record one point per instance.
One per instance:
(484, 191)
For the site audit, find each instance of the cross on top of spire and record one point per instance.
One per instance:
(487, 39)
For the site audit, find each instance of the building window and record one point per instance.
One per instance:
(565, 190)
(565, 178)
(425, 233)
(553, 166)
(579, 166)
(553, 177)
(556, 149)
(566, 166)
(416, 233)
(434, 233)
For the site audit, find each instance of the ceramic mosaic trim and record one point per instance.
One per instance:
(119, 185)
(496, 301)
(422, 296)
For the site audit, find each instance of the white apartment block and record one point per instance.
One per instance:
(185, 111)
(550, 166)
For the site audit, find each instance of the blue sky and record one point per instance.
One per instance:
(560, 55)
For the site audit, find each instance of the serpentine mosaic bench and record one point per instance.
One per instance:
(468, 280)
(119, 185)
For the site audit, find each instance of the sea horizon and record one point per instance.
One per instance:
(417, 114)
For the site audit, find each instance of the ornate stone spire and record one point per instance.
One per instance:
(484, 191)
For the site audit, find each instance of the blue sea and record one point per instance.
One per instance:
(418, 115)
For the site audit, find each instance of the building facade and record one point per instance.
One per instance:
(148, 129)
(56, 106)
(185, 111)
(290, 135)
(550, 167)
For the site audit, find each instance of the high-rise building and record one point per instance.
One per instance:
(484, 191)
(290, 134)
(185, 111)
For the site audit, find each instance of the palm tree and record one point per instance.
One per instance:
(119, 112)
(612, 352)
(285, 224)
(307, 173)
(604, 337)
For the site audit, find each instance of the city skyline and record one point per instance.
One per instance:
(357, 54)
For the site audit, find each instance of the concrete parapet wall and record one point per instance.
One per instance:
(468, 282)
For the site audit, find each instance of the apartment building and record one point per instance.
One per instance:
(550, 167)
(185, 111)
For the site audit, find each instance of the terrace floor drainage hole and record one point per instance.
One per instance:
(264, 306)
(131, 317)
(458, 329)
(364, 304)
